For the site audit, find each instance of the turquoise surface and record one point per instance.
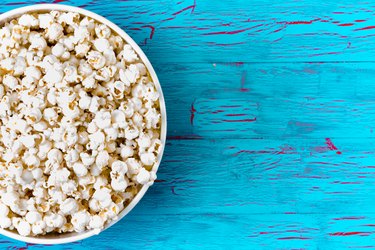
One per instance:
(271, 125)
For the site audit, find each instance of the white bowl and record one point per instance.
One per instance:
(71, 237)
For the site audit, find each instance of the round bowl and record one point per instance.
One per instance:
(71, 237)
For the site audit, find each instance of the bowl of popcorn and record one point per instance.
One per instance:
(82, 124)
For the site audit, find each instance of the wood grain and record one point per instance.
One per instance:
(270, 116)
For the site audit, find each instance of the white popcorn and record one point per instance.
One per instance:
(103, 119)
(102, 159)
(38, 43)
(126, 152)
(45, 20)
(118, 118)
(102, 31)
(33, 217)
(129, 54)
(96, 59)
(55, 155)
(10, 81)
(79, 124)
(101, 44)
(69, 206)
(119, 184)
(53, 76)
(143, 176)
(80, 220)
(54, 31)
(130, 75)
(96, 139)
(79, 169)
(38, 227)
(19, 66)
(58, 50)
(4, 211)
(23, 228)
(28, 20)
(5, 222)
(89, 82)
(82, 49)
(69, 187)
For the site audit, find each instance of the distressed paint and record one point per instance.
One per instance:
(271, 138)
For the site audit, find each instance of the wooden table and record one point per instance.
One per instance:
(271, 124)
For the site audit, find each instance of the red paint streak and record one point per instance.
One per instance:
(229, 32)
(350, 233)
(310, 177)
(134, 29)
(299, 22)
(294, 238)
(160, 181)
(192, 7)
(350, 218)
(168, 19)
(152, 30)
(346, 24)
(369, 225)
(184, 137)
(225, 44)
(331, 146)
(365, 28)
(243, 120)
(359, 21)
(58, 1)
(237, 64)
(192, 113)
(243, 81)
(278, 30)
(264, 152)
(235, 115)
(217, 111)
(231, 106)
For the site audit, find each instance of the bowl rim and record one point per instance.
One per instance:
(71, 237)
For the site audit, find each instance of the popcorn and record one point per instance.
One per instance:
(143, 176)
(54, 31)
(101, 44)
(79, 122)
(28, 20)
(69, 206)
(79, 169)
(80, 220)
(10, 81)
(128, 54)
(96, 59)
(23, 228)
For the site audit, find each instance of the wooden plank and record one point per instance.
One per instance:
(269, 100)
(216, 231)
(200, 31)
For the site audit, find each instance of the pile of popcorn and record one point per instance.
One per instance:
(79, 124)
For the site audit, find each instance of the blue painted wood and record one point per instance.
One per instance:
(271, 113)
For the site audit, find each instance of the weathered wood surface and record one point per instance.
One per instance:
(270, 117)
